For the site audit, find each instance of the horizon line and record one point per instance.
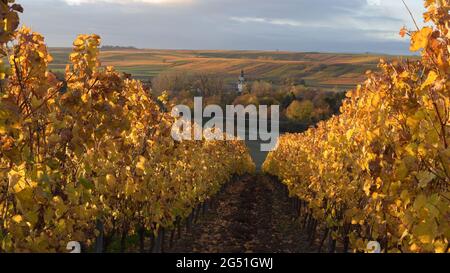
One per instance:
(248, 50)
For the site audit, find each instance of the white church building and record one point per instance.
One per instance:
(241, 83)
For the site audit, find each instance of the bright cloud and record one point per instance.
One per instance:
(282, 22)
(249, 19)
(374, 2)
(124, 2)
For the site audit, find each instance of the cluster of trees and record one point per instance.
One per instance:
(299, 103)
(311, 104)
(183, 86)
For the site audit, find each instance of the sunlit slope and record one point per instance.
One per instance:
(317, 69)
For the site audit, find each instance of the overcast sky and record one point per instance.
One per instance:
(295, 25)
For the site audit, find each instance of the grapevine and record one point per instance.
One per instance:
(380, 171)
(95, 148)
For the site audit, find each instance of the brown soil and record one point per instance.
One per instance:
(250, 215)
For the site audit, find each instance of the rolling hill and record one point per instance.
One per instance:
(325, 70)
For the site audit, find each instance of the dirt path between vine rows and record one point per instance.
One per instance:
(251, 215)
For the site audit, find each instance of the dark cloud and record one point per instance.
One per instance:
(297, 25)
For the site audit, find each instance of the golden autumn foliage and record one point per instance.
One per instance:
(300, 111)
(96, 147)
(381, 169)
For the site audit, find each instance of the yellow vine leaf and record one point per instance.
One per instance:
(419, 39)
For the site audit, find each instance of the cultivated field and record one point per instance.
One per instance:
(326, 70)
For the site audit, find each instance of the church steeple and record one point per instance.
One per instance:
(241, 82)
